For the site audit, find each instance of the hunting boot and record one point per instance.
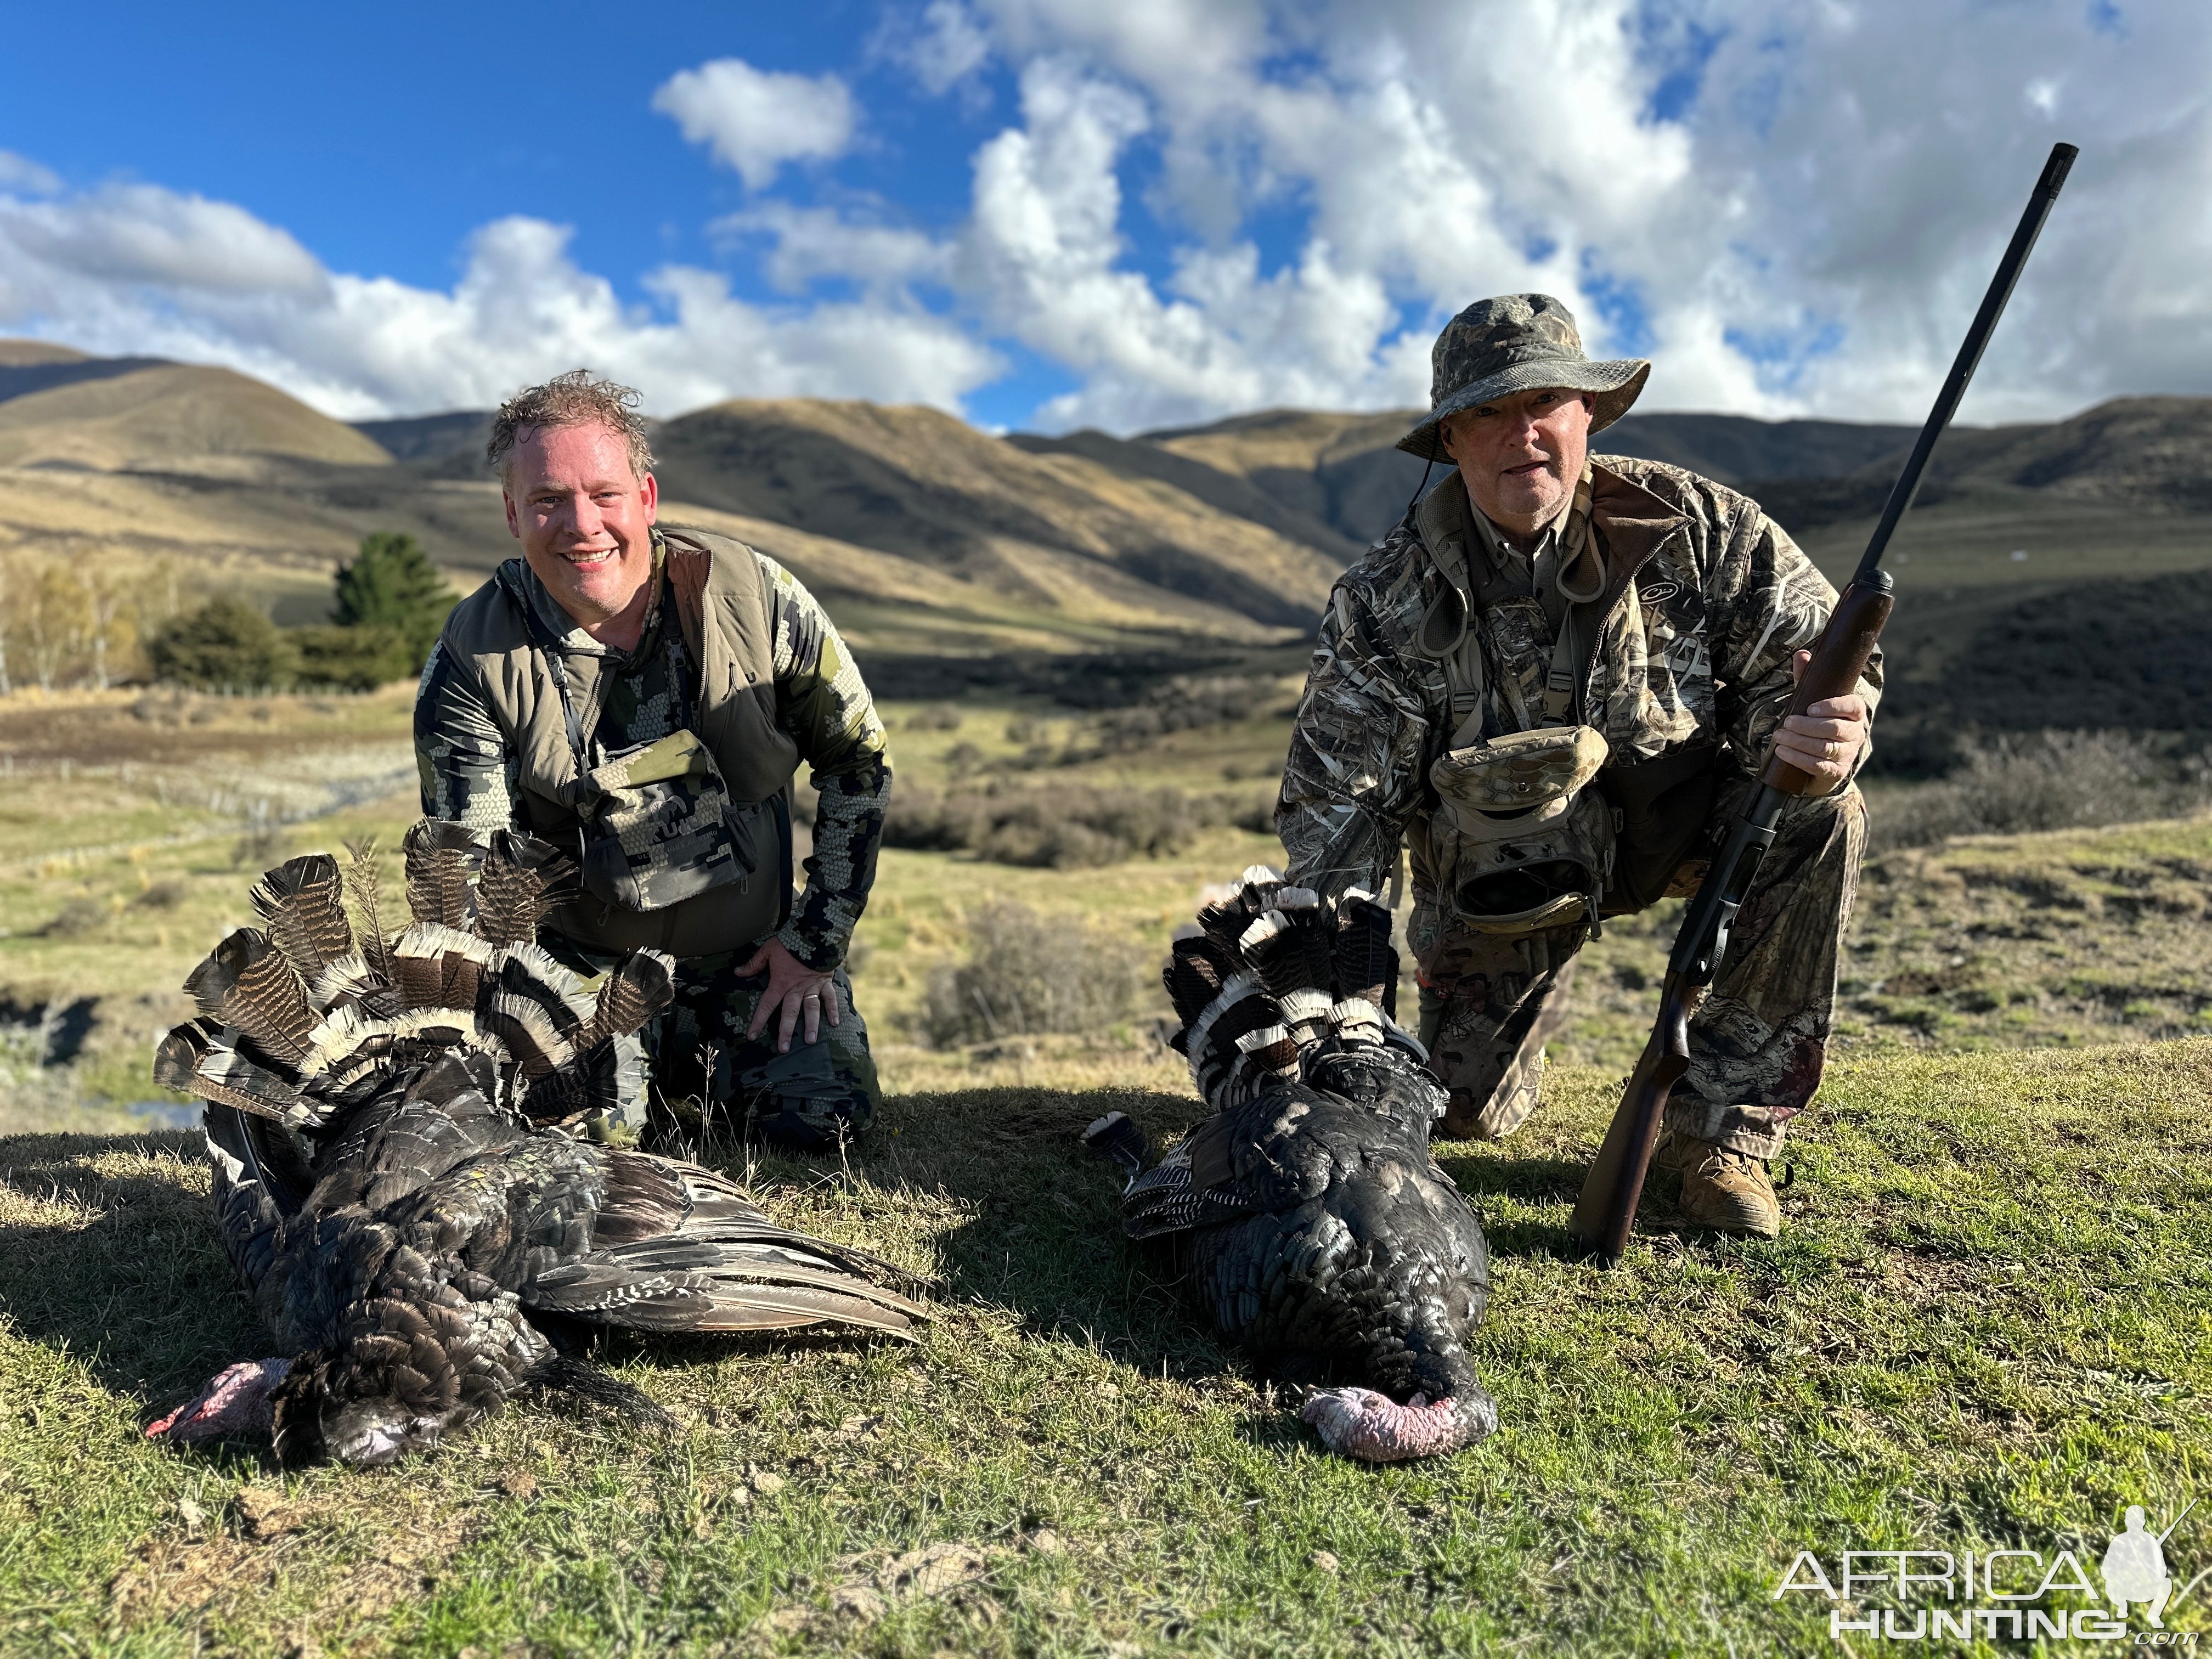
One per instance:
(1723, 1189)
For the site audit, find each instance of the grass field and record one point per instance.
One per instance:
(1985, 1327)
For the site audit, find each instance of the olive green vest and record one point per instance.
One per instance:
(722, 602)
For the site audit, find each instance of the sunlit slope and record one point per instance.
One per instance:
(171, 415)
(1059, 531)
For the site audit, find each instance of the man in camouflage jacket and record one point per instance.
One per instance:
(649, 634)
(1538, 586)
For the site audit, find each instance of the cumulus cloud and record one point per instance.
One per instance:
(806, 246)
(1792, 208)
(755, 120)
(943, 47)
(145, 271)
(20, 172)
(1198, 207)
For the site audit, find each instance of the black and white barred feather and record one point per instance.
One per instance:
(1306, 1215)
(407, 1138)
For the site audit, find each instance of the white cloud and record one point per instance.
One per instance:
(1808, 232)
(808, 245)
(20, 172)
(206, 281)
(141, 236)
(943, 47)
(755, 120)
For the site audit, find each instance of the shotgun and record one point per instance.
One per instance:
(1614, 1185)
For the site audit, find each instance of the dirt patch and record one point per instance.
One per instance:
(213, 1569)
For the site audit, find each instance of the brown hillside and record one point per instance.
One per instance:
(1229, 492)
(15, 354)
(170, 416)
(1058, 531)
(2141, 451)
(1344, 470)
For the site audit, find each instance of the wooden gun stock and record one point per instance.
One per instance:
(1605, 1212)
(1839, 660)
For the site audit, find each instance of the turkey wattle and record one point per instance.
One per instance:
(1306, 1215)
(404, 1173)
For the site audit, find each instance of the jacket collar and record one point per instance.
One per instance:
(554, 628)
(1631, 524)
(1628, 522)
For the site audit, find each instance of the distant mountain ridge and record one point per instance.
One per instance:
(929, 539)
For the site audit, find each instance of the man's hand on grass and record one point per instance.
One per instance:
(793, 990)
(1827, 739)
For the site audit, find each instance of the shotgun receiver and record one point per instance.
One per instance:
(1614, 1185)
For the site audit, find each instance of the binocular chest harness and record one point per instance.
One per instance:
(1520, 842)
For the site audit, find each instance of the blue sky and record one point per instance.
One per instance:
(1127, 216)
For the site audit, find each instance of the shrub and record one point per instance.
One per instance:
(2050, 780)
(76, 918)
(1027, 973)
(391, 583)
(225, 645)
(165, 895)
(355, 659)
(941, 718)
(1063, 829)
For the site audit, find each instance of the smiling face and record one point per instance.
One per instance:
(585, 520)
(1521, 455)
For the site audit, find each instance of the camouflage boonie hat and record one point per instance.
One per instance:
(1517, 343)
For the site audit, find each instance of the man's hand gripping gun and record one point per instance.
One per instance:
(1614, 1185)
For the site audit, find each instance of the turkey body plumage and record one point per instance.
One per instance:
(1306, 1217)
(405, 1180)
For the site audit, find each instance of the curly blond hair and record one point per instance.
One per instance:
(576, 399)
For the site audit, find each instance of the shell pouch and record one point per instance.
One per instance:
(661, 828)
(1521, 841)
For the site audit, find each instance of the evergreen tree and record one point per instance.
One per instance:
(391, 583)
(225, 645)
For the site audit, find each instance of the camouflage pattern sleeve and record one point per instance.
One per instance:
(1366, 729)
(821, 702)
(1769, 602)
(468, 770)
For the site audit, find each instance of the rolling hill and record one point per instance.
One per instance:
(953, 558)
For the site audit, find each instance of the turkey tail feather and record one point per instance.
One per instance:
(640, 986)
(246, 982)
(522, 880)
(440, 858)
(1362, 961)
(364, 880)
(303, 901)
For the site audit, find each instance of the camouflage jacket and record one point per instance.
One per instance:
(470, 772)
(1706, 600)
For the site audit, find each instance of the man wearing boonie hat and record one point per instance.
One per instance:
(1552, 684)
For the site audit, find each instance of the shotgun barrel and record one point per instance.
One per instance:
(1605, 1212)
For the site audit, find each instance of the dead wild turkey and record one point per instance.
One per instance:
(405, 1171)
(1306, 1215)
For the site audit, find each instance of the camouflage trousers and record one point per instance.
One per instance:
(1757, 1044)
(818, 1094)
(707, 1074)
